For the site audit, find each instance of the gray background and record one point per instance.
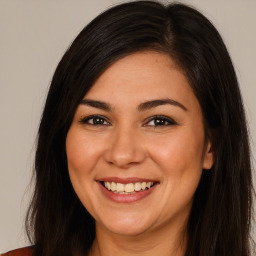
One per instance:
(34, 35)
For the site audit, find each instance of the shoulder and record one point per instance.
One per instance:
(26, 251)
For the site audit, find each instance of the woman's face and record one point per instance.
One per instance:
(136, 147)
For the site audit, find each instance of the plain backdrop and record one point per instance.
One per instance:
(34, 35)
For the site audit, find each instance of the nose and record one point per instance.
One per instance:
(125, 149)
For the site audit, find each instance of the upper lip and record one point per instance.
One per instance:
(125, 180)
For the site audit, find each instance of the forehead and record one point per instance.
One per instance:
(142, 76)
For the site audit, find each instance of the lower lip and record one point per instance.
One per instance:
(126, 198)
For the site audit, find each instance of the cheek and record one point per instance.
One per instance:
(180, 160)
(83, 152)
(82, 156)
(76, 160)
(178, 152)
(179, 156)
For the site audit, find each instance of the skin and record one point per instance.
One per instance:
(128, 143)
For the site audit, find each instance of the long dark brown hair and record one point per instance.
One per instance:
(219, 224)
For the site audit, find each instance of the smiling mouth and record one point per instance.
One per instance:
(129, 188)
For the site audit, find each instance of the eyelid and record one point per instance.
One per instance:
(166, 118)
(84, 120)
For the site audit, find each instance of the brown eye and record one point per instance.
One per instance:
(160, 121)
(95, 120)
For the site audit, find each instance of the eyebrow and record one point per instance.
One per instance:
(142, 107)
(97, 104)
(155, 103)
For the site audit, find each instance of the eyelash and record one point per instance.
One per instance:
(98, 120)
(87, 120)
(164, 121)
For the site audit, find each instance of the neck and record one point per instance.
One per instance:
(157, 242)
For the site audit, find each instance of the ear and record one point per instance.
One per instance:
(208, 158)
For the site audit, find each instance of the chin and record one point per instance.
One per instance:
(127, 230)
(127, 226)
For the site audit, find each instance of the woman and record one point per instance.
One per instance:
(143, 146)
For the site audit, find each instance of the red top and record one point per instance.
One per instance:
(27, 251)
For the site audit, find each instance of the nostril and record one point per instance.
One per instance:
(124, 160)
(124, 150)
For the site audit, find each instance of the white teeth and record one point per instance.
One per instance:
(137, 186)
(119, 187)
(108, 185)
(113, 186)
(148, 185)
(127, 188)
